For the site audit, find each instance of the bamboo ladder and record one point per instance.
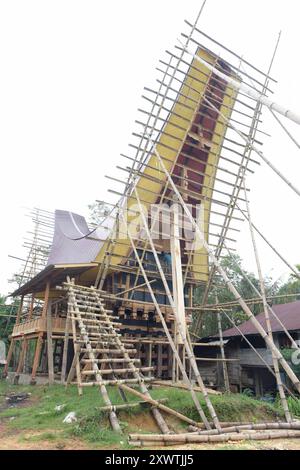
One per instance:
(100, 357)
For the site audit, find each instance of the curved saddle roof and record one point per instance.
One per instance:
(70, 241)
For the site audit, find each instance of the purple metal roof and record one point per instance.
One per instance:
(289, 315)
(69, 243)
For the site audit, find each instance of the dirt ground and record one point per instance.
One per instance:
(33, 440)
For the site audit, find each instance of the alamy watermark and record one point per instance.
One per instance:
(164, 221)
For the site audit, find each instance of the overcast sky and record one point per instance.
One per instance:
(72, 73)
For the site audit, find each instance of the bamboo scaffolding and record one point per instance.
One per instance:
(240, 58)
(216, 78)
(245, 88)
(240, 175)
(171, 342)
(294, 379)
(135, 371)
(179, 324)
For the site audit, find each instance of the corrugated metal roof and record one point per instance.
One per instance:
(289, 315)
(69, 242)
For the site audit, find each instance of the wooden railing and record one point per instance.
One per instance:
(37, 325)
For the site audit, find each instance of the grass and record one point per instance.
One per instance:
(92, 426)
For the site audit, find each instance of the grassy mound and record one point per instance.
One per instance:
(38, 412)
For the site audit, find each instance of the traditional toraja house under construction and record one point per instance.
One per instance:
(116, 302)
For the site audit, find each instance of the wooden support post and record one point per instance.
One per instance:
(65, 349)
(21, 358)
(50, 345)
(9, 356)
(177, 280)
(159, 360)
(13, 342)
(150, 357)
(37, 357)
(72, 370)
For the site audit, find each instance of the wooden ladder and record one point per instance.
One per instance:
(100, 356)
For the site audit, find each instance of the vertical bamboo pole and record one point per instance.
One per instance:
(65, 349)
(266, 310)
(224, 365)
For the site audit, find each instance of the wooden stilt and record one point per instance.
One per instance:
(37, 356)
(65, 349)
(50, 345)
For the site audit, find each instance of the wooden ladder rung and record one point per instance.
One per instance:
(117, 371)
(116, 382)
(108, 360)
(110, 351)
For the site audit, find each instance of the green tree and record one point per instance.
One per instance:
(6, 323)
(233, 267)
(292, 286)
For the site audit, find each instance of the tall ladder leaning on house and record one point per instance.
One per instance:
(100, 356)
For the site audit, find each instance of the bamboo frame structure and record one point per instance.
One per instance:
(195, 149)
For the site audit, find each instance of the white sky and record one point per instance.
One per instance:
(71, 79)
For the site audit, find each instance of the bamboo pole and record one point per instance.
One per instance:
(254, 148)
(242, 59)
(37, 355)
(158, 405)
(269, 244)
(253, 427)
(266, 311)
(224, 366)
(125, 406)
(148, 439)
